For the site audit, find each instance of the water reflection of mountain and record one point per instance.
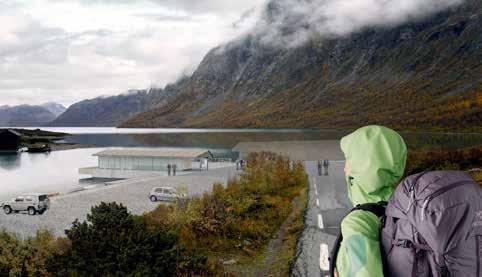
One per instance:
(229, 140)
(201, 140)
(10, 161)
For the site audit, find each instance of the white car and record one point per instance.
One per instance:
(165, 194)
(32, 203)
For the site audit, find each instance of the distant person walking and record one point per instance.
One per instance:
(319, 168)
(326, 164)
(174, 167)
(169, 170)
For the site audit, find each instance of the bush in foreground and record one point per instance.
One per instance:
(114, 242)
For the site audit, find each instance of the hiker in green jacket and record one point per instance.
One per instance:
(375, 162)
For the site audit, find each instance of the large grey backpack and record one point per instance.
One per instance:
(433, 226)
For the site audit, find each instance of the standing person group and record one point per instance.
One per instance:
(173, 168)
(323, 167)
(326, 163)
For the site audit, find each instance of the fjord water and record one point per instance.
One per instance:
(58, 171)
(42, 172)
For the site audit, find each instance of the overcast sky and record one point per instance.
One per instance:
(70, 50)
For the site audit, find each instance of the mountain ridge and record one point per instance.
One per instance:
(25, 116)
(425, 74)
(422, 75)
(113, 110)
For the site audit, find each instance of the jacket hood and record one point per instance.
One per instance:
(377, 157)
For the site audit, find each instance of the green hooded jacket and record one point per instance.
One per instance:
(377, 157)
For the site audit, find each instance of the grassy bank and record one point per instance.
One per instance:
(467, 159)
(250, 226)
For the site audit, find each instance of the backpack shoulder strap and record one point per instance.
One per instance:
(377, 209)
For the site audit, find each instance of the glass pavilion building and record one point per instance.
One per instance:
(131, 163)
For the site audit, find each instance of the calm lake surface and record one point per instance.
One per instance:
(58, 171)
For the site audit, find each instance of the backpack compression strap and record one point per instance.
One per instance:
(377, 209)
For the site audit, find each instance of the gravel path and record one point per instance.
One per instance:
(132, 193)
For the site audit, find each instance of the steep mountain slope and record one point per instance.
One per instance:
(422, 75)
(111, 111)
(55, 108)
(25, 115)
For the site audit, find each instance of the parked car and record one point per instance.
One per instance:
(165, 194)
(32, 203)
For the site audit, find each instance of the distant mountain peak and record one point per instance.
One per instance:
(109, 111)
(55, 108)
(25, 116)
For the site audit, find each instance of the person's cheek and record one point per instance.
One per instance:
(347, 168)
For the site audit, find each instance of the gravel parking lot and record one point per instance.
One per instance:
(132, 193)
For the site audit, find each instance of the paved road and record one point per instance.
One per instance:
(328, 203)
(305, 150)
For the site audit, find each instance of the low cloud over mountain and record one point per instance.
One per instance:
(292, 23)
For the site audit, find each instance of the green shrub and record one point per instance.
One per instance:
(113, 242)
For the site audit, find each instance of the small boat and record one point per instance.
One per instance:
(44, 148)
